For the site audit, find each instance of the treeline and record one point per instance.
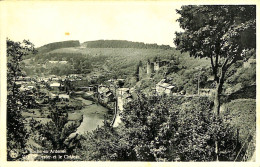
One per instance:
(57, 45)
(122, 44)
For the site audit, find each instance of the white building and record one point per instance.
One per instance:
(164, 88)
(64, 97)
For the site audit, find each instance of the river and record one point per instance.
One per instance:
(93, 116)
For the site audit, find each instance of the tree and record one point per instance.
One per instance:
(56, 134)
(223, 33)
(16, 102)
(68, 86)
(198, 129)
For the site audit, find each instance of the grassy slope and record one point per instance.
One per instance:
(242, 114)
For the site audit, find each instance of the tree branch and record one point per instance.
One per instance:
(225, 63)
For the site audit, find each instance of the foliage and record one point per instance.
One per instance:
(223, 33)
(199, 128)
(210, 30)
(242, 116)
(16, 102)
(185, 130)
(102, 144)
(244, 76)
(54, 135)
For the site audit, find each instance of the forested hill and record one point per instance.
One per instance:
(122, 44)
(57, 45)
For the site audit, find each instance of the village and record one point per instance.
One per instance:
(71, 89)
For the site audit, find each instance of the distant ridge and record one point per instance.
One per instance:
(57, 45)
(122, 44)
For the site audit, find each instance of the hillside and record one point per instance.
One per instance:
(242, 117)
(57, 45)
(112, 62)
(122, 44)
(122, 63)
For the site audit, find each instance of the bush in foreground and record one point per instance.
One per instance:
(163, 129)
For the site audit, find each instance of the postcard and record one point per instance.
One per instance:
(144, 83)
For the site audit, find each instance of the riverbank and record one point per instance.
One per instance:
(93, 116)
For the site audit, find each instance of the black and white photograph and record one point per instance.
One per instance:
(128, 81)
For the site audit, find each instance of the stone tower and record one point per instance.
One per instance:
(150, 68)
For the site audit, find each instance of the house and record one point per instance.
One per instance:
(164, 88)
(23, 88)
(64, 97)
(108, 97)
(22, 83)
(21, 78)
(104, 94)
(63, 62)
(123, 97)
(55, 79)
(53, 62)
(210, 83)
(30, 87)
(56, 86)
(53, 96)
(102, 89)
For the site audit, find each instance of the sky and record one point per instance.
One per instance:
(46, 22)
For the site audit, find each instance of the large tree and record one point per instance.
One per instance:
(223, 33)
(16, 101)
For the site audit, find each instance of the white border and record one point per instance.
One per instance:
(127, 164)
